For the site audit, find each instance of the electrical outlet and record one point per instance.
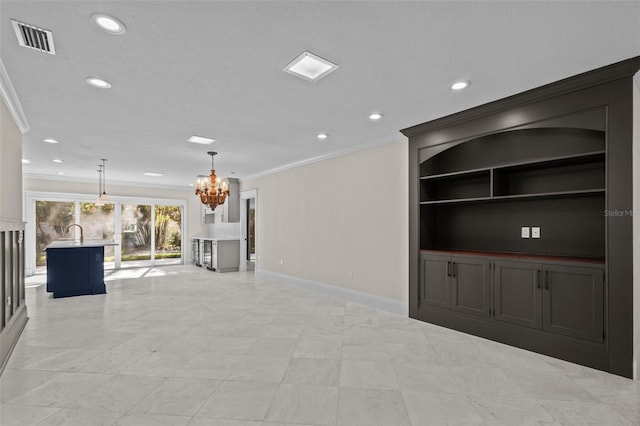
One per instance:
(524, 232)
(535, 232)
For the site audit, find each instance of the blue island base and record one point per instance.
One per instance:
(100, 289)
(75, 271)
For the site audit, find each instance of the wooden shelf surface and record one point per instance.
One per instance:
(524, 256)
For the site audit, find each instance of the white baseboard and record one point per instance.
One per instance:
(371, 300)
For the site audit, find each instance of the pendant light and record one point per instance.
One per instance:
(103, 197)
(99, 202)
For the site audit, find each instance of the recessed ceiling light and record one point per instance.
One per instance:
(49, 140)
(153, 174)
(310, 67)
(375, 116)
(98, 82)
(201, 140)
(60, 173)
(25, 161)
(190, 184)
(322, 136)
(57, 160)
(109, 23)
(459, 85)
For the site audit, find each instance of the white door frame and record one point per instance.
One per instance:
(244, 196)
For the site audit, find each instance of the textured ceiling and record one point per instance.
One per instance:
(215, 69)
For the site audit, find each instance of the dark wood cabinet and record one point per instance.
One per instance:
(564, 299)
(458, 283)
(435, 284)
(518, 295)
(471, 285)
(557, 158)
(573, 301)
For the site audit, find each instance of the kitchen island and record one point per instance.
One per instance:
(76, 268)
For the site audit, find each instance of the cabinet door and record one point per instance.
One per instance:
(471, 285)
(573, 301)
(231, 207)
(435, 285)
(518, 293)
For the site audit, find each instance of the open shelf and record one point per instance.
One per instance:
(561, 175)
(569, 175)
(473, 184)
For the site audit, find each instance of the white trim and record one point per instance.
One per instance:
(371, 300)
(111, 182)
(65, 196)
(350, 150)
(11, 99)
(244, 238)
(11, 225)
(248, 194)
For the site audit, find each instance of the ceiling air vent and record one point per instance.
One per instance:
(34, 37)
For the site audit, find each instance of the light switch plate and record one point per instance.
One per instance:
(535, 232)
(524, 233)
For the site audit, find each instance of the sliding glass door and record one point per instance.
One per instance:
(168, 235)
(51, 220)
(148, 233)
(98, 223)
(135, 241)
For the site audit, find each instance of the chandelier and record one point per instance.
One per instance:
(213, 192)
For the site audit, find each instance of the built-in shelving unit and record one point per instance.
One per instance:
(483, 208)
(556, 159)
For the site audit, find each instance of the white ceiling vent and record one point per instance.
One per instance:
(34, 37)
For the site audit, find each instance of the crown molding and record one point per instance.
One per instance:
(11, 99)
(396, 137)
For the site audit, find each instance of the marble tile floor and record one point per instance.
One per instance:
(185, 346)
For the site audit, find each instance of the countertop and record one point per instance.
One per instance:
(78, 244)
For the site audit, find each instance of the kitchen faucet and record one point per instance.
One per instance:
(81, 231)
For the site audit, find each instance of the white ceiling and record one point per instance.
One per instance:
(215, 69)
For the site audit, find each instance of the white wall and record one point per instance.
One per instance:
(636, 226)
(10, 166)
(341, 221)
(220, 229)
